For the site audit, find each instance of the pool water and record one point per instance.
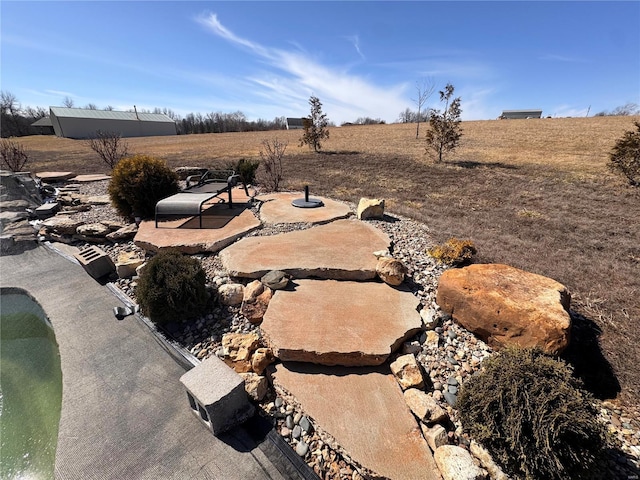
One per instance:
(30, 388)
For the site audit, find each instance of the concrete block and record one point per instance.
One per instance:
(217, 395)
(95, 261)
(47, 210)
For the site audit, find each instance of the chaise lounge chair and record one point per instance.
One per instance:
(200, 189)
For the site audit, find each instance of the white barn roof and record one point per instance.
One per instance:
(515, 114)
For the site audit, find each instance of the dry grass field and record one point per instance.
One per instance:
(535, 194)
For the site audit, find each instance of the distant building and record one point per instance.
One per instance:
(295, 124)
(44, 126)
(84, 123)
(520, 114)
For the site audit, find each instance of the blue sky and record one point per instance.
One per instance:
(360, 58)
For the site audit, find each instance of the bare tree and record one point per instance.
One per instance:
(13, 155)
(91, 106)
(424, 90)
(271, 172)
(67, 102)
(109, 146)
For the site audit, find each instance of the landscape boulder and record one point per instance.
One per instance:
(370, 208)
(436, 436)
(456, 463)
(62, 225)
(261, 359)
(424, 407)
(275, 279)
(93, 230)
(506, 306)
(391, 271)
(231, 293)
(255, 385)
(124, 233)
(255, 308)
(407, 371)
(127, 263)
(239, 346)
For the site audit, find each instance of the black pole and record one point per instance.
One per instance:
(306, 193)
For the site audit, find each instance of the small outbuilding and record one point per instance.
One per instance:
(44, 126)
(520, 114)
(295, 123)
(84, 123)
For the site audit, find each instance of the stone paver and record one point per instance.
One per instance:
(340, 323)
(341, 250)
(54, 176)
(277, 208)
(94, 177)
(364, 411)
(196, 240)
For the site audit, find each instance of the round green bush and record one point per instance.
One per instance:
(138, 183)
(172, 288)
(532, 415)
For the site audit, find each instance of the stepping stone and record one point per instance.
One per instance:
(340, 250)
(277, 208)
(96, 177)
(340, 323)
(364, 411)
(54, 176)
(195, 240)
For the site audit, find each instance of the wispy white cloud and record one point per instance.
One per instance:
(567, 111)
(561, 58)
(355, 41)
(477, 103)
(293, 75)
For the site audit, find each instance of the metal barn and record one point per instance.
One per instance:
(520, 114)
(84, 123)
(295, 124)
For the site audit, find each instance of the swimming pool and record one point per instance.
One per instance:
(30, 388)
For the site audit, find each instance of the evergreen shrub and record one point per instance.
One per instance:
(172, 288)
(533, 416)
(138, 183)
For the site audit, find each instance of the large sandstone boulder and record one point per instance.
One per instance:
(507, 306)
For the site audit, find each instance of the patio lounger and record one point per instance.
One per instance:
(183, 205)
(190, 201)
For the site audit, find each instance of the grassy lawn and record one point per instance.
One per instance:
(535, 194)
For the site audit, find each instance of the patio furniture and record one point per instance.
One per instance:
(200, 189)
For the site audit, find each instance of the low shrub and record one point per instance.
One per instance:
(138, 183)
(625, 156)
(13, 155)
(532, 415)
(246, 169)
(172, 288)
(453, 252)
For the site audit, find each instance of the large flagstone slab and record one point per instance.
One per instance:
(340, 323)
(341, 250)
(197, 240)
(277, 208)
(364, 411)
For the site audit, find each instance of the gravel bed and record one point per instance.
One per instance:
(448, 358)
